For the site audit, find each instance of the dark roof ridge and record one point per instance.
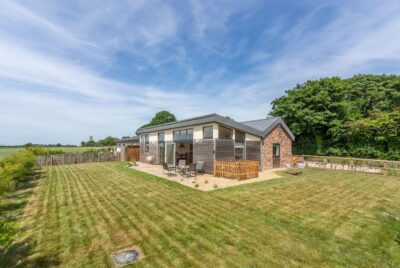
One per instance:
(179, 121)
(269, 117)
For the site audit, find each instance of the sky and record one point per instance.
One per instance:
(71, 69)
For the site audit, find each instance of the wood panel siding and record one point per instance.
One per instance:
(224, 150)
(151, 155)
(203, 150)
(131, 153)
(253, 150)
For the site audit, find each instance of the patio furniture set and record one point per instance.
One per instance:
(183, 169)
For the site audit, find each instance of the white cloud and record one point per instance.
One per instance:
(58, 82)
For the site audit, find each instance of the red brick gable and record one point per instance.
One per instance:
(280, 136)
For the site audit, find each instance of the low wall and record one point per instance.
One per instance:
(385, 167)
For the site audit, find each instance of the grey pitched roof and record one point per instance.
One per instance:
(259, 129)
(131, 139)
(204, 119)
(267, 124)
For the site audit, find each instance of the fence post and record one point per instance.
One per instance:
(51, 159)
(385, 166)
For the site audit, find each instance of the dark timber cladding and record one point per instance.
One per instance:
(224, 150)
(151, 155)
(203, 150)
(253, 151)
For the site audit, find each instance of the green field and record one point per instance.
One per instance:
(4, 151)
(80, 214)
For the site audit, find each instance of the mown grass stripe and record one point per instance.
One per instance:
(321, 218)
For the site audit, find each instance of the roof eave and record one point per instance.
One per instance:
(283, 124)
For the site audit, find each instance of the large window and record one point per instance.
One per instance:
(146, 142)
(239, 145)
(224, 133)
(160, 137)
(207, 132)
(183, 135)
(190, 134)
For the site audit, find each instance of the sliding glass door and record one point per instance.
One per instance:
(170, 153)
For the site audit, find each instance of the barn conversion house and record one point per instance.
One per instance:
(213, 137)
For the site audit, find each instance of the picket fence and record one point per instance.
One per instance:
(239, 170)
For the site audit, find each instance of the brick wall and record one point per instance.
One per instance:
(278, 135)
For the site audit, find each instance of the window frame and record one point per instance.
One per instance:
(212, 133)
(240, 144)
(177, 134)
(163, 137)
(219, 132)
(147, 142)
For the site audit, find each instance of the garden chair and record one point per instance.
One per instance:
(181, 166)
(197, 168)
(168, 168)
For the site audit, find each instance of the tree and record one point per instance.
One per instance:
(342, 115)
(161, 117)
(108, 141)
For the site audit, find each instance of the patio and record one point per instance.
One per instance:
(204, 182)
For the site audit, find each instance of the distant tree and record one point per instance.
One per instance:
(108, 141)
(90, 143)
(161, 117)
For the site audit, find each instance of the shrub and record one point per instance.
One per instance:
(392, 155)
(95, 150)
(336, 152)
(366, 152)
(15, 168)
(38, 150)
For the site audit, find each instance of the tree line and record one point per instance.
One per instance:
(358, 116)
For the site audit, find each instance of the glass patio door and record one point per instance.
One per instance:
(170, 153)
(276, 155)
(161, 153)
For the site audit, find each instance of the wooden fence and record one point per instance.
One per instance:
(78, 158)
(385, 167)
(238, 170)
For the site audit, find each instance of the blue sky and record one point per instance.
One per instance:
(70, 69)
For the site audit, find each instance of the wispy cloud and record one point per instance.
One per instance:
(69, 69)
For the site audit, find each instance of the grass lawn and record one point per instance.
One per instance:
(79, 214)
(4, 151)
